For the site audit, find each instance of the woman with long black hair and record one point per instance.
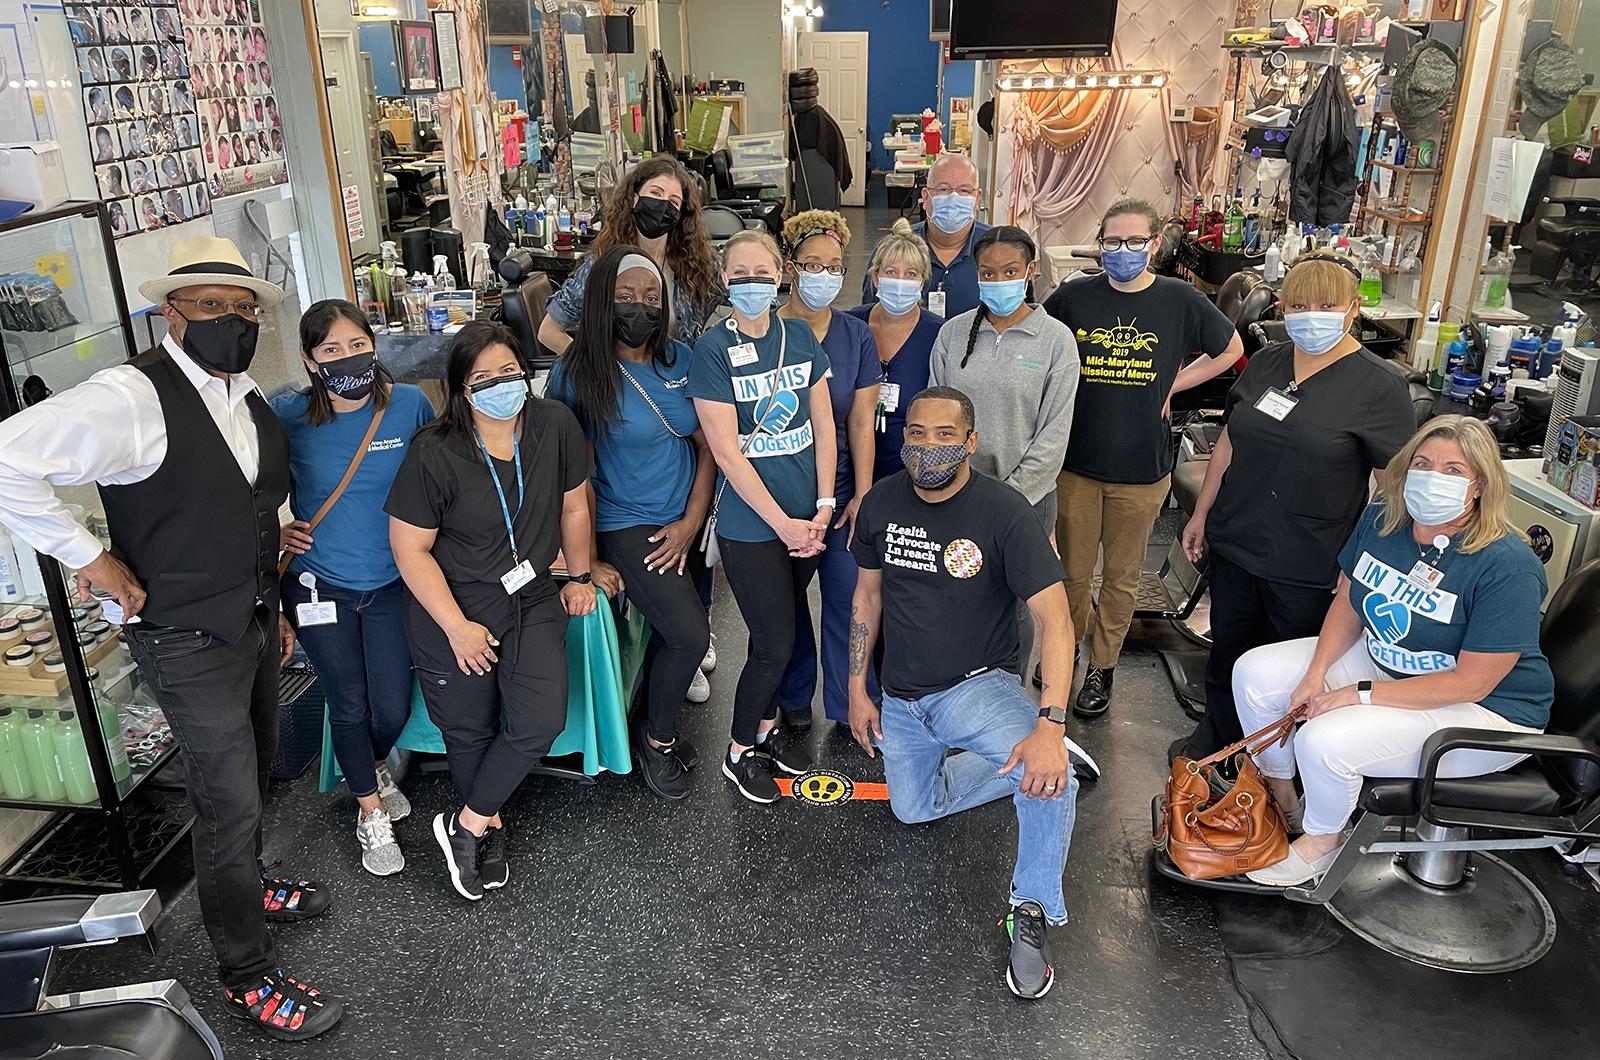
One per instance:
(486, 496)
(627, 382)
(356, 637)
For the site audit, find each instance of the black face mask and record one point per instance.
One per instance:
(225, 344)
(635, 324)
(350, 377)
(654, 218)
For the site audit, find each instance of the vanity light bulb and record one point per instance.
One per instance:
(1114, 81)
(1159, 80)
(1137, 79)
(1091, 81)
(1070, 82)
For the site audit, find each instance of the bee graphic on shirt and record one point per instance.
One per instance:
(1124, 337)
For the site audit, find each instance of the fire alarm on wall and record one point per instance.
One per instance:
(1181, 112)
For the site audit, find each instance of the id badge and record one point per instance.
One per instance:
(1425, 576)
(936, 302)
(517, 577)
(317, 613)
(1276, 403)
(889, 396)
(742, 354)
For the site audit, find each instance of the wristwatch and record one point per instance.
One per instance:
(827, 502)
(580, 579)
(1055, 714)
(1364, 692)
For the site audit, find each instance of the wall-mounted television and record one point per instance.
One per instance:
(508, 21)
(939, 19)
(1031, 29)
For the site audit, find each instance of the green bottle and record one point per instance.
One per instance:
(15, 780)
(1233, 224)
(111, 729)
(39, 749)
(73, 755)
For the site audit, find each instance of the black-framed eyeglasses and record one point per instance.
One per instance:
(216, 307)
(816, 268)
(1136, 243)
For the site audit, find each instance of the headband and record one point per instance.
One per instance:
(831, 233)
(1332, 258)
(639, 261)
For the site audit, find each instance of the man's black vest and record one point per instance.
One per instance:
(201, 540)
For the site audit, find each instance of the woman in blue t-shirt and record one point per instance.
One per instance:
(1435, 624)
(627, 382)
(816, 240)
(342, 591)
(760, 387)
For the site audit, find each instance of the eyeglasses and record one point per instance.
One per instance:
(816, 267)
(216, 307)
(945, 189)
(1108, 244)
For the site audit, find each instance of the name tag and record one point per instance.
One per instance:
(517, 577)
(317, 613)
(936, 302)
(1424, 576)
(742, 354)
(1276, 403)
(889, 396)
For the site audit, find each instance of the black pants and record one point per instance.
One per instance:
(670, 602)
(529, 684)
(769, 585)
(221, 700)
(1247, 612)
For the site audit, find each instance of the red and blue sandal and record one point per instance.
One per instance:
(285, 1008)
(286, 901)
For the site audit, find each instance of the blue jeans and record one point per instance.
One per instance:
(837, 578)
(986, 716)
(364, 663)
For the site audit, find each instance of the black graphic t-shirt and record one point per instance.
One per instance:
(1131, 347)
(952, 575)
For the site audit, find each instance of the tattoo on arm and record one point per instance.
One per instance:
(858, 643)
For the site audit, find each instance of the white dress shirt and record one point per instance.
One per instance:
(108, 429)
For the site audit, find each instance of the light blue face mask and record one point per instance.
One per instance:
(1002, 296)
(504, 399)
(819, 289)
(899, 297)
(752, 297)
(1125, 266)
(1434, 498)
(1316, 331)
(953, 212)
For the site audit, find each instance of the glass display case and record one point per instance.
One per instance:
(79, 731)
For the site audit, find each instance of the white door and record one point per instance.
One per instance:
(840, 60)
(351, 144)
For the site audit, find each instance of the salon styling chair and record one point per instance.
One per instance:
(1417, 878)
(743, 199)
(522, 305)
(148, 1021)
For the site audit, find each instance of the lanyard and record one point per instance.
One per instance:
(494, 476)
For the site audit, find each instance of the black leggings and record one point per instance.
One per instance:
(768, 583)
(671, 604)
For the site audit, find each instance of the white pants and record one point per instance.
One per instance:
(1335, 751)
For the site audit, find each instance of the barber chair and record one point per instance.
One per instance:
(149, 1021)
(522, 303)
(723, 223)
(1570, 239)
(743, 199)
(1416, 878)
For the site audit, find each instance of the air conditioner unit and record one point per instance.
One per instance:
(1576, 393)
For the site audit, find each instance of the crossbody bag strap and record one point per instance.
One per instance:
(777, 374)
(649, 401)
(349, 473)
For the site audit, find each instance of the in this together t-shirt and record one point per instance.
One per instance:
(1486, 601)
(732, 368)
(952, 575)
(1130, 346)
(643, 470)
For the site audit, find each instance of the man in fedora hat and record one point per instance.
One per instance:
(192, 468)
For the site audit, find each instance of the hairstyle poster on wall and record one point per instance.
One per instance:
(241, 133)
(139, 101)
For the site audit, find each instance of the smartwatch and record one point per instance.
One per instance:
(827, 502)
(1364, 692)
(580, 579)
(1055, 714)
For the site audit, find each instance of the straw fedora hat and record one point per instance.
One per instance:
(195, 261)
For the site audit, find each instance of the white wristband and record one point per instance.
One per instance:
(827, 502)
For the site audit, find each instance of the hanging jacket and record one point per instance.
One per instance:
(815, 129)
(665, 107)
(1322, 155)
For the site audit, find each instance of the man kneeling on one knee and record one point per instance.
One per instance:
(945, 553)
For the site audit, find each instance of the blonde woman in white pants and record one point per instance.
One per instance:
(1435, 624)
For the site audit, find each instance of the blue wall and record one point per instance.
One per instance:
(505, 77)
(902, 64)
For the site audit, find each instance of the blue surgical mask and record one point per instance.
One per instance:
(1434, 498)
(753, 296)
(818, 289)
(1125, 266)
(504, 399)
(1002, 296)
(1316, 332)
(953, 212)
(899, 297)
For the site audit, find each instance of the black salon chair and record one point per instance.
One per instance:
(150, 1021)
(722, 223)
(743, 199)
(1416, 877)
(522, 306)
(1570, 239)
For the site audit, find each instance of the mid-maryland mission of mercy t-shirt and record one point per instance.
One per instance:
(952, 575)
(1130, 346)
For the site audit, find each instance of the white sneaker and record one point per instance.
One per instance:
(380, 854)
(709, 663)
(395, 803)
(699, 689)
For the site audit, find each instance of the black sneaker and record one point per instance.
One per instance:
(663, 771)
(460, 855)
(286, 901)
(1094, 698)
(1038, 669)
(798, 720)
(686, 752)
(1029, 973)
(786, 750)
(493, 869)
(751, 776)
(285, 1008)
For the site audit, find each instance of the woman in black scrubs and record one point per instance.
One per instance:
(1307, 423)
(486, 495)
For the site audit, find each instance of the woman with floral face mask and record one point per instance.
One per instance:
(345, 562)
(1308, 422)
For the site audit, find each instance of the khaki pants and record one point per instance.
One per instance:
(1092, 516)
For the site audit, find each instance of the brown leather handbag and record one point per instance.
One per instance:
(1211, 827)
